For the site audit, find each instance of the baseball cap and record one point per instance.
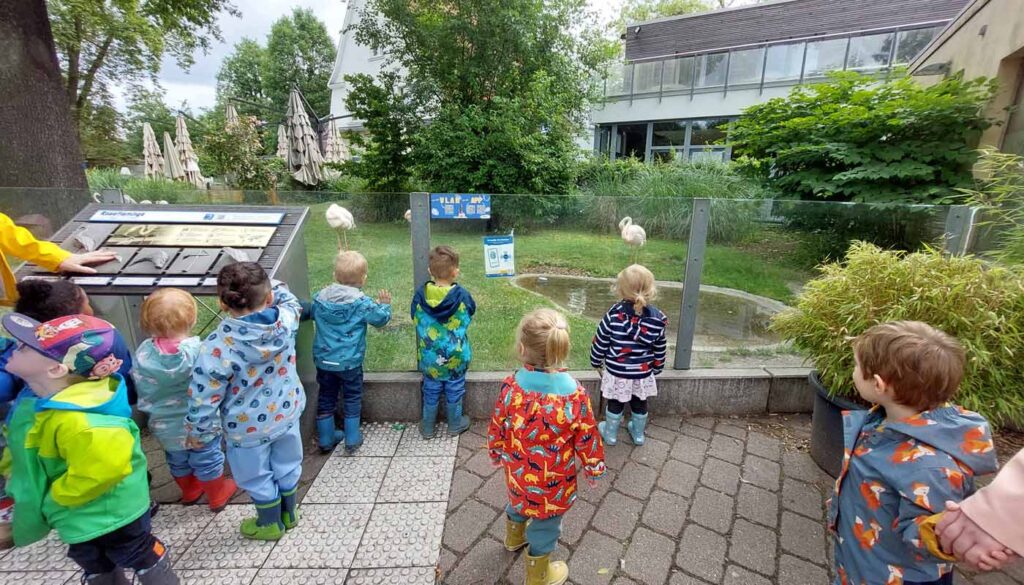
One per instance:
(83, 343)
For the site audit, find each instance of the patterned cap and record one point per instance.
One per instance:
(83, 343)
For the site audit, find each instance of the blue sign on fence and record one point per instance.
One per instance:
(460, 206)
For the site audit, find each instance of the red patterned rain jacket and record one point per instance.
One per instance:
(542, 422)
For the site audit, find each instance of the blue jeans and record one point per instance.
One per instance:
(207, 463)
(347, 384)
(453, 390)
(541, 534)
(264, 471)
(130, 546)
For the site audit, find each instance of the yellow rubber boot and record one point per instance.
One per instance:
(515, 535)
(542, 571)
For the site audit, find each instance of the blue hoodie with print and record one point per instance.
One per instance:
(162, 381)
(341, 314)
(442, 316)
(894, 476)
(245, 383)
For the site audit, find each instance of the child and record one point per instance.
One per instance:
(341, 312)
(629, 351)
(905, 457)
(78, 465)
(542, 422)
(245, 386)
(163, 372)
(442, 311)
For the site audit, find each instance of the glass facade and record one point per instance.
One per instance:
(666, 141)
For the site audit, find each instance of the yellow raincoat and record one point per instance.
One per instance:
(18, 241)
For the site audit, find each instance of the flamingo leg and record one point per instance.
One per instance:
(346, 241)
(338, 235)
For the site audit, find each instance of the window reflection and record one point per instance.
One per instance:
(824, 56)
(745, 66)
(712, 70)
(870, 53)
(784, 62)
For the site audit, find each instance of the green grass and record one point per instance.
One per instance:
(500, 305)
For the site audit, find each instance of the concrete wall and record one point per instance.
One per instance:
(987, 39)
(396, 396)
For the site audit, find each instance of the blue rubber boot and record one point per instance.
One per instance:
(458, 423)
(267, 524)
(353, 436)
(429, 420)
(609, 427)
(289, 508)
(327, 436)
(636, 425)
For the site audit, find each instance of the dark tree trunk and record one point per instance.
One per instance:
(38, 142)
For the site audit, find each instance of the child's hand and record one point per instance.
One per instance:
(970, 543)
(384, 297)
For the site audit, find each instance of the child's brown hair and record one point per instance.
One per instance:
(243, 286)
(542, 339)
(923, 365)
(443, 262)
(168, 312)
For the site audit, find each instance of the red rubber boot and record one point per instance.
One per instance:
(191, 491)
(218, 492)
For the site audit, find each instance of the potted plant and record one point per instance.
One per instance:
(979, 303)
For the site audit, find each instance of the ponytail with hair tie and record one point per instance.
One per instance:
(639, 302)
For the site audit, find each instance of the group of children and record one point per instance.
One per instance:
(74, 462)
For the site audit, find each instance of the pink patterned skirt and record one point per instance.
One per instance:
(623, 390)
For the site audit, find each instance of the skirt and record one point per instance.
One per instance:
(622, 389)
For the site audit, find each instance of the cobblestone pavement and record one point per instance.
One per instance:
(375, 518)
(704, 501)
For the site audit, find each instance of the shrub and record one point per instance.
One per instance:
(144, 189)
(1000, 196)
(981, 305)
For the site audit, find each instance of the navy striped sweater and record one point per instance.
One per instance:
(628, 345)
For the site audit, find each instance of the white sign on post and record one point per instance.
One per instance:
(499, 256)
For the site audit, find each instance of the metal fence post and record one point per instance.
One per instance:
(419, 205)
(959, 221)
(691, 282)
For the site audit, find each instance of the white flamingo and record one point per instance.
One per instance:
(408, 215)
(633, 235)
(341, 220)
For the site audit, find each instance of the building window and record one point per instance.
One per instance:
(708, 132)
(870, 53)
(669, 134)
(745, 66)
(911, 42)
(603, 140)
(668, 141)
(647, 77)
(678, 74)
(784, 62)
(631, 141)
(824, 56)
(712, 70)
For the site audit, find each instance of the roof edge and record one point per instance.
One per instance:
(707, 12)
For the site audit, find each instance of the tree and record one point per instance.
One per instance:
(241, 76)
(300, 53)
(100, 133)
(236, 151)
(856, 139)
(641, 10)
(147, 105)
(125, 40)
(391, 120)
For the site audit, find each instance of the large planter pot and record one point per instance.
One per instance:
(827, 426)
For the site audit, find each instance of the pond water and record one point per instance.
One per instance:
(726, 318)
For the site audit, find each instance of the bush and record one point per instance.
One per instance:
(1000, 196)
(982, 306)
(650, 194)
(144, 189)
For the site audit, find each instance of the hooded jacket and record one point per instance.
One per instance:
(341, 314)
(245, 384)
(442, 316)
(162, 381)
(894, 476)
(78, 464)
(18, 241)
(629, 345)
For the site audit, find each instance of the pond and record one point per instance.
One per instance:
(727, 319)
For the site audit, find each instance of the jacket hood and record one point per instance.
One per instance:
(336, 303)
(255, 338)
(639, 324)
(171, 364)
(106, 396)
(426, 296)
(962, 434)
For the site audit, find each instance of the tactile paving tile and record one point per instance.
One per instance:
(221, 546)
(348, 480)
(216, 576)
(417, 479)
(327, 537)
(403, 576)
(414, 445)
(39, 577)
(301, 577)
(379, 440)
(402, 535)
(49, 554)
(178, 526)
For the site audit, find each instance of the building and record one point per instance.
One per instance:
(686, 77)
(985, 39)
(352, 59)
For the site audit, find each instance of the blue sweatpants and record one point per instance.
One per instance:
(264, 471)
(206, 463)
(347, 384)
(541, 534)
(453, 390)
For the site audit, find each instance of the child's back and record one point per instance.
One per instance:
(442, 315)
(162, 379)
(341, 314)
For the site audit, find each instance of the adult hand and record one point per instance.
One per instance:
(80, 263)
(969, 543)
(384, 297)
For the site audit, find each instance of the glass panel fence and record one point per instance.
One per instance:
(745, 66)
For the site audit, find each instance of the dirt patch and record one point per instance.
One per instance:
(792, 430)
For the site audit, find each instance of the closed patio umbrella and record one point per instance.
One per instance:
(335, 149)
(230, 116)
(153, 159)
(304, 157)
(186, 155)
(282, 142)
(172, 166)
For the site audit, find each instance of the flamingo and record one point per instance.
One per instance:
(633, 235)
(408, 215)
(341, 220)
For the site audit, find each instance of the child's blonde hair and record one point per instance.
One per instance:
(542, 339)
(636, 283)
(168, 312)
(349, 268)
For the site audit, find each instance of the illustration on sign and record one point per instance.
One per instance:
(499, 256)
(460, 206)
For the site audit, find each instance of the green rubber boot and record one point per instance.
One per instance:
(267, 524)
